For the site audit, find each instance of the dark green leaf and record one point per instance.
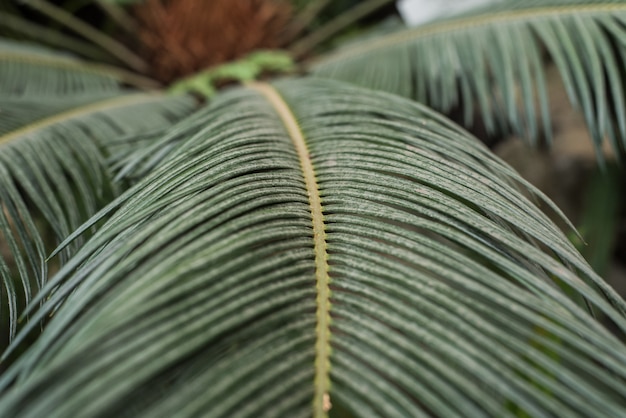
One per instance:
(201, 295)
(492, 58)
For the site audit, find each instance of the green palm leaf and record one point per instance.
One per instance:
(492, 57)
(53, 168)
(12, 25)
(313, 245)
(31, 70)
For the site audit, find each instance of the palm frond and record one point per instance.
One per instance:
(314, 245)
(492, 58)
(20, 112)
(12, 25)
(53, 163)
(31, 70)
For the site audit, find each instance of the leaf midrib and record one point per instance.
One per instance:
(465, 23)
(321, 399)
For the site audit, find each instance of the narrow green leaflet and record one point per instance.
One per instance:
(310, 247)
(492, 60)
(54, 174)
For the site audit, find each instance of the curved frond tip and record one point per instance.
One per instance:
(492, 58)
(448, 289)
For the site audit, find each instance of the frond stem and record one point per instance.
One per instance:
(118, 15)
(302, 20)
(321, 400)
(336, 25)
(99, 38)
(48, 36)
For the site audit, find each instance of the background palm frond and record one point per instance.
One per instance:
(198, 296)
(12, 25)
(54, 172)
(493, 58)
(31, 70)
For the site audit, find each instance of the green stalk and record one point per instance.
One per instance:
(306, 44)
(104, 41)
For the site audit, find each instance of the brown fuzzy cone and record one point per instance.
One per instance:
(181, 37)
